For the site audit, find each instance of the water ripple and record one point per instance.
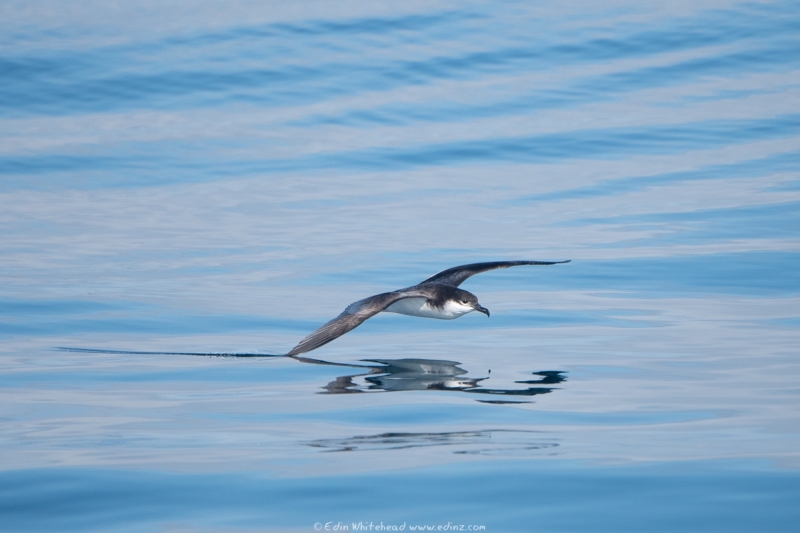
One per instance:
(322, 62)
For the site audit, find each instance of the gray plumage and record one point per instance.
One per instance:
(436, 297)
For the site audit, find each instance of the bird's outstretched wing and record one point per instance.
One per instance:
(352, 317)
(455, 276)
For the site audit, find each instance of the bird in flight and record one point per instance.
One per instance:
(436, 297)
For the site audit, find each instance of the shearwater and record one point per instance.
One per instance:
(436, 297)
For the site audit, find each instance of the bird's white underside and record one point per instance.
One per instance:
(420, 307)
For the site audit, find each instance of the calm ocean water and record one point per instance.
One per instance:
(225, 177)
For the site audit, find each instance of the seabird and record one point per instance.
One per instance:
(436, 297)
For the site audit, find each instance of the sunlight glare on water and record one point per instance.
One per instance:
(224, 178)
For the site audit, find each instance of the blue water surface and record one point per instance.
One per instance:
(186, 191)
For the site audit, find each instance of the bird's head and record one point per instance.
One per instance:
(467, 302)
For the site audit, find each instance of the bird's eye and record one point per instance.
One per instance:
(464, 301)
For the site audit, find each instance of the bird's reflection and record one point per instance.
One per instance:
(412, 374)
(392, 375)
(476, 442)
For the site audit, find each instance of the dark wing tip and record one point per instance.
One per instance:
(355, 314)
(330, 331)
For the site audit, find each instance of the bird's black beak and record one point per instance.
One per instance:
(481, 309)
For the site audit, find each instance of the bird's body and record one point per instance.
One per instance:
(436, 297)
(422, 308)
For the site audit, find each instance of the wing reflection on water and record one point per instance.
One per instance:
(392, 375)
(480, 442)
